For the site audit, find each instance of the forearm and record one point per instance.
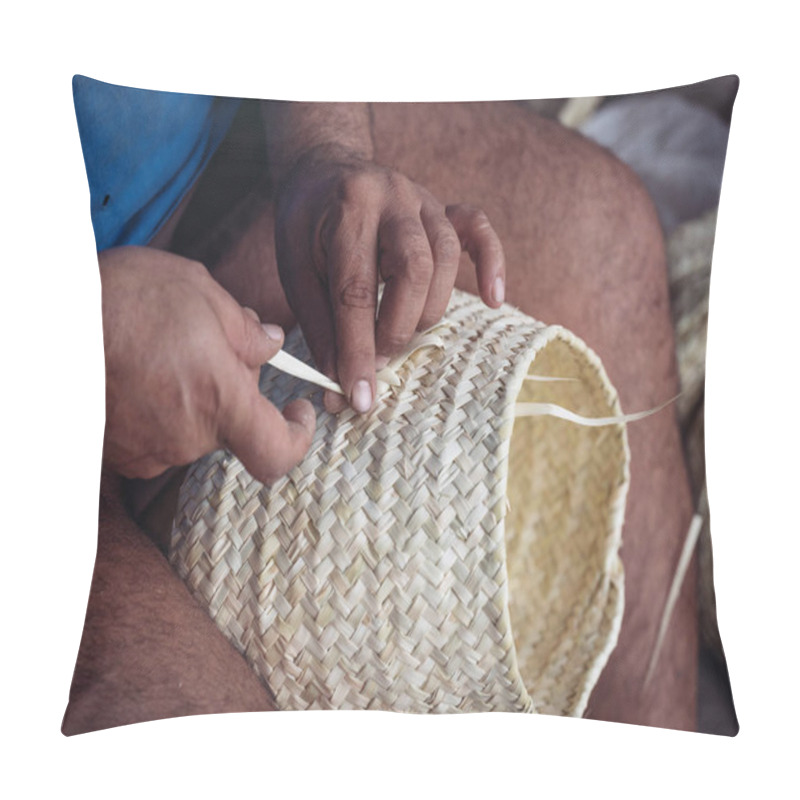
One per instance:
(294, 130)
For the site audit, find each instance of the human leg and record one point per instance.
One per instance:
(148, 650)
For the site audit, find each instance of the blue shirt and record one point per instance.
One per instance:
(143, 151)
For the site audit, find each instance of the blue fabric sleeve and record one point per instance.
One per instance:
(143, 151)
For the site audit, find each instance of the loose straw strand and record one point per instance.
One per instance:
(677, 581)
(553, 410)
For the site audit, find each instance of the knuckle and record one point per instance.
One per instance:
(253, 339)
(411, 259)
(405, 228)
(399, 185)
(416, 267)
(250, 321)
(356, 292)
(358, 187)
(446, 246)
(393, 341)
(196, 270)
(479, 220)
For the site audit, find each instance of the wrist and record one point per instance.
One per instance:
(319, 162)
(312, 133)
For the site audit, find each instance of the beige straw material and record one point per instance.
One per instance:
(436, 554)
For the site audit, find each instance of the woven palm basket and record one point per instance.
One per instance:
(437, 554)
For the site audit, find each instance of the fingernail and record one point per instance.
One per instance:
(498, 290)
(381, 362)
(273, 332)
(361, 396)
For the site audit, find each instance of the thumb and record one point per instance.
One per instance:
(253, 343)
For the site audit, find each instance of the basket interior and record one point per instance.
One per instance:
(562, 531)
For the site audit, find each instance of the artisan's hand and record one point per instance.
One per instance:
(182, 364)
(342, 223)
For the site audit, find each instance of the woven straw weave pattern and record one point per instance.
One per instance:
(374, 574)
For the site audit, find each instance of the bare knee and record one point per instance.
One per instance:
(617, 276)
(623, 240)
(597, 249)
(585, 250)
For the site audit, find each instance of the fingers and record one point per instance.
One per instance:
(313, 312)
(479, 239)
(351, 262)
(304, 274)
(446, 249)
(407, 266)
(268, 443)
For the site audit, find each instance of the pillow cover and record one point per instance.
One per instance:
(427, 555)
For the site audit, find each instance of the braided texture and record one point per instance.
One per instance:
(434, 555)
